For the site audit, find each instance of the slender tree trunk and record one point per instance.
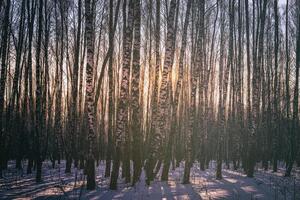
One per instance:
(295, 121)
(58, 97)
(74, 98)
(38, 125)
(245, 141)
(111, 94)
(136, 114)
(89, 98)
(220, 100)
(150, 163)
(276, 97)
(4, 66)
(170, 138)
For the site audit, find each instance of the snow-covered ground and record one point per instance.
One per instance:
(234, 185)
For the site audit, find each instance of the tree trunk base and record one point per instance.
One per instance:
(107, 168)
(90, 171)
(275, 166)
(149, 171)
(18, 164)
(29, 167)
(219, 170)
(115, 172)
(39, 164)
(81, 165)
(186, 175)
(68, 165)
(165, 171)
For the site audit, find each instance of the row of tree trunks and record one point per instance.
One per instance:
(160, 127)
(122, 110)
(133, 109)
(175, 101)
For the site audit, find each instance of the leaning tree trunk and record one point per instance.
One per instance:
(111, 90)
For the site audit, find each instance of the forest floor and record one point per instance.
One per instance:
(16, 184)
